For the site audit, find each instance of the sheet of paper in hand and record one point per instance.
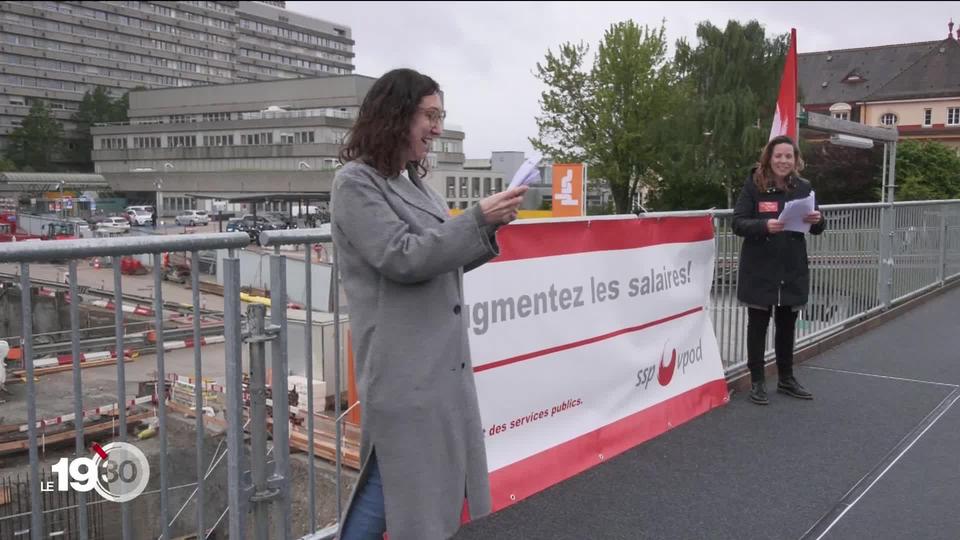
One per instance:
(526, 174)
(794, 212)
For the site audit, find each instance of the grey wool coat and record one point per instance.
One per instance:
(402, 258)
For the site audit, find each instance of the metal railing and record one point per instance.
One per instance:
(851, 280)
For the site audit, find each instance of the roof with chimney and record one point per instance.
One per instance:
(888, 72)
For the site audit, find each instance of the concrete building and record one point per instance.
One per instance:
(56, 51)
(274, 140)
(913, 86)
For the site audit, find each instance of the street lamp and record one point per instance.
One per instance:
(159, 196)
(62, 209)
(158, 186)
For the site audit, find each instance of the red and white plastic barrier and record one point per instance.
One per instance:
(127, 308)
(67, 359)
(85, 413)
(187, 343)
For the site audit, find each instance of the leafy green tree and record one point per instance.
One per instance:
(95, 107)
(613, 117)
(7, 166)
(36, 142)
(731, 79)
(927, 170)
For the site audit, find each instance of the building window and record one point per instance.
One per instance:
(475, 187)
(889, 119)
(927, 117)
(499, 185)
(953, 116)
(178, 141)
(463, 187)
(486, 187)
(451, 187)
(840, 111)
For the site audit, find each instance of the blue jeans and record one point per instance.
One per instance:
(367, 518)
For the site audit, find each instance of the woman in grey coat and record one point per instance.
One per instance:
(402, 258)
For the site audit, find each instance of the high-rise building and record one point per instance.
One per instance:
(56, 51)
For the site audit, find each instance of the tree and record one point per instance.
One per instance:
(732, 77)
(95, 107)
(613, 117)
(39, 137)
(7, 166)
(927, 170)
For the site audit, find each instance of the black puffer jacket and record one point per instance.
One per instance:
(774, 270)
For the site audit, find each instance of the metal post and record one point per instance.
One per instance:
(256, 314)
(887, 225)
(77, 390)
(26, 342)
(942, 267)
(198, 387)
(335, 286)
(161, 392)
(308, 347)
(236, 521)
(126, 526)
(281, 406)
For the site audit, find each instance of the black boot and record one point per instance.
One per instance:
(789, 386)
(758, 393)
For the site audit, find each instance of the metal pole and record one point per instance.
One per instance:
(281, 405)
(335, 286)
(26, 333)
(125, 525)
(256, 314)
(198, 387)
(308, 347)
(161, 392)
(887, 226)
(236, 521)
(77, 390)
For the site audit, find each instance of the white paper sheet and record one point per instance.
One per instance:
(794, 211)
(526, 174)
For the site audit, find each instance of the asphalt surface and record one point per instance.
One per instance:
(875, 455)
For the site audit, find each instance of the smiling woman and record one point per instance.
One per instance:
(402, 257)
(774, 276)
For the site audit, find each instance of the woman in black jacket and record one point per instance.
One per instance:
(774, 272)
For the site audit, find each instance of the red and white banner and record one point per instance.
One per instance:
(589, 338)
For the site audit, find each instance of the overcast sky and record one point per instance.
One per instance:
(484, 55)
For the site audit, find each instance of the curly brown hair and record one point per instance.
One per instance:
(380, 136)
(763, 174)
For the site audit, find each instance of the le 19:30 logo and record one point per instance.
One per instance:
(119, 472)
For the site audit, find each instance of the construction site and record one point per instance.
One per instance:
(117, 335)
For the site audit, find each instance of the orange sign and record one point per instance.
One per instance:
(568, 190)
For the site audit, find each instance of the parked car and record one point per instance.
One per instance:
(283, 220)
(192, 218)
(233, 224)
(140, 207)
(114, 224)
(252, 225)
(138, 217)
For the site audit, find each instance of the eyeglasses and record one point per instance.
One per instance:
(435, 116)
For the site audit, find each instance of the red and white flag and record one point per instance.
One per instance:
(785, 117)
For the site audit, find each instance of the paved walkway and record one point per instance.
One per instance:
(875, 455)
